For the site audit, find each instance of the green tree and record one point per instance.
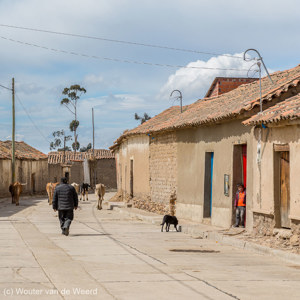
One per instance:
(60, 140)
(73, 94)
(85, 149)
(143, 119)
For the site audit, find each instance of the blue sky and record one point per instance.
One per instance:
(117, 90)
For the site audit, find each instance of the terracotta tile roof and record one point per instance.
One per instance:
(286, 110)
(57, 157)
(23, 151)
(157, 123)
(220, 108)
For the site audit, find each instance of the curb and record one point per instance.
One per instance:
(196, 232)
(156, 220)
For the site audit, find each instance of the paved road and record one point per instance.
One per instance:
(110, 256)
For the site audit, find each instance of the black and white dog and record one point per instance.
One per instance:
(84, 191)
(168, 220)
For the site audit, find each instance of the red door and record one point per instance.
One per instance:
(244, 157)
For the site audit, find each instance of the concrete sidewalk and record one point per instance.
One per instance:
(203, 231)
(111, 255)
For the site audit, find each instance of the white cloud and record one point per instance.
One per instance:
(194, 83)
(18, 137)
(29, 88)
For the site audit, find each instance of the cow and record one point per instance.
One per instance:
(50, 187)
(76, 187)
(84, 191)
(16, 189)
(100, 192)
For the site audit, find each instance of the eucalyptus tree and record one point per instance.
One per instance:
(73, 94)
(60, 140)
(143, 119)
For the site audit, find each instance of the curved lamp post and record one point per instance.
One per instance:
(259, 62)
(178, 97)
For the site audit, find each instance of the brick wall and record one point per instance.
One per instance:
(225, 85)
(163, 167)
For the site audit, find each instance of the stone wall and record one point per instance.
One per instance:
(163, 167)
(263, 224)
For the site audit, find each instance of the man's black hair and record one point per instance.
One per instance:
(240, 184)
(64, 180)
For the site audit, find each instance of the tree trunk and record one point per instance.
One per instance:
(75, 135)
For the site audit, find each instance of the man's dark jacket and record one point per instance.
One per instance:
(65, 197)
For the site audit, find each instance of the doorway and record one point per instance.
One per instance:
(208, 183)
(33, 183)
(131, 178)
(285, 189)
(239, 172)
(67, 175)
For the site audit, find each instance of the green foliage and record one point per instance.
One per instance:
(65, 101)
(73, 94)
(85, 149)
(143, 119)
(77, 146)
(59, 138)
(73, 91)
(74, 125)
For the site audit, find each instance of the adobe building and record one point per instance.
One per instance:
(99, 166)
(200, 154)
(276, 189)
(31, 167)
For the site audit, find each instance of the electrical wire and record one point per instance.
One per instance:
(118, 59)
(29, 117)
(5, 87)
(118, 41)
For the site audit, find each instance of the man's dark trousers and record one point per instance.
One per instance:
(65, 218)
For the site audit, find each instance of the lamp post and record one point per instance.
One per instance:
(178, 97)
(259, 62)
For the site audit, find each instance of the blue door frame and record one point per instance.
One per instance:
(211, 178)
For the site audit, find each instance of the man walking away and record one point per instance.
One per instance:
(65, 199)
(240, 205)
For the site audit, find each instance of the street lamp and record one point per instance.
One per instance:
(178, 97)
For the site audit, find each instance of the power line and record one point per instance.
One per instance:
(118, 59)
(29, 117)
(5, 87)
(118, 41)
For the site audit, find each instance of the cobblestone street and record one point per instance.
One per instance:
(109, 255)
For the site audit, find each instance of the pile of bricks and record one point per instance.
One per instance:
(173, 203)
(148, 205)
(117, 197)
(263, 225)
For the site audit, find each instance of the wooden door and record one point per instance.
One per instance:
(285, 189)
(33, 183)
(131, 177)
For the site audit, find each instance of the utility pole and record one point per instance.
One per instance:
(64, 149)
(93, 132)
(95, 162)
(13, 167)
